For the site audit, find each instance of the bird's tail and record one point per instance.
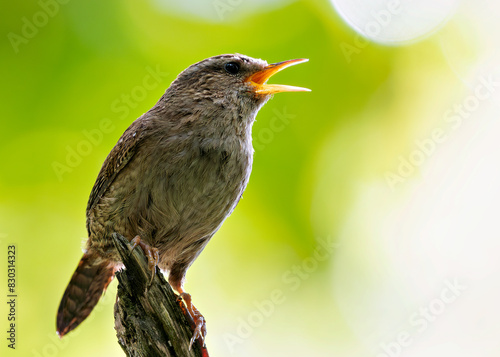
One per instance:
(86, 286)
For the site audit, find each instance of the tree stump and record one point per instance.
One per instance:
(149, 320)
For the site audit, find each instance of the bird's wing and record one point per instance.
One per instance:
(117, 159)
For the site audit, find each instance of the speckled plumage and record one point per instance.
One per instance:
(173, 178)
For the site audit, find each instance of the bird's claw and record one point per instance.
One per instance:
(200, 326)
(150, 252)
(200, 331)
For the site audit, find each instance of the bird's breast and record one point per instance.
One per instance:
(190, 189)
(210, 180)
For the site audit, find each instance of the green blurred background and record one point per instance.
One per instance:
(369, 197)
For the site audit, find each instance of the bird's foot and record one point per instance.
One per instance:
(200, 327)
(150, 252)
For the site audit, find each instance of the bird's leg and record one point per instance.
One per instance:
(150, 252)
(200, 327)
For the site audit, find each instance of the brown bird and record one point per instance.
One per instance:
(173, 178)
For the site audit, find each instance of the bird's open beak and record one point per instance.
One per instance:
(258, 80)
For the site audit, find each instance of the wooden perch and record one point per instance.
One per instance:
(148, 320)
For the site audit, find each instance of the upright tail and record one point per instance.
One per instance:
(86, 286)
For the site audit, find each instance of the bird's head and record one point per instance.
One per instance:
(232, 82)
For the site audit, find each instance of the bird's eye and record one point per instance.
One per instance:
(232, 67)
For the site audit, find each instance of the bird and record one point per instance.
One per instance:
(173, 177)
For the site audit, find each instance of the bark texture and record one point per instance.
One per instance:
(149, 321)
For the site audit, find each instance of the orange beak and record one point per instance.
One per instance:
(258, 80)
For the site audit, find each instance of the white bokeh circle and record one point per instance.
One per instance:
(393, 22)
